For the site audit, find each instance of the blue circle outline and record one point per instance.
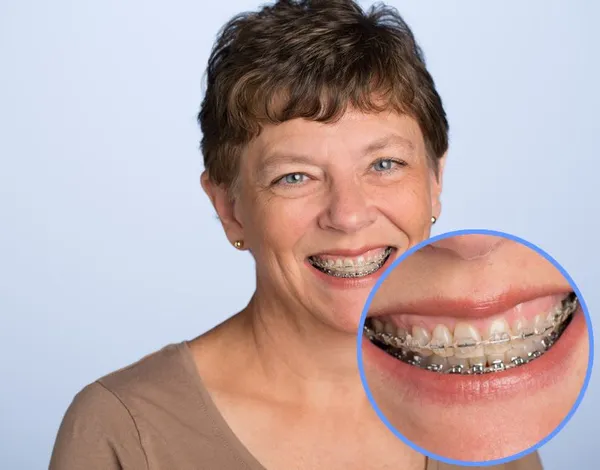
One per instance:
(387, 272)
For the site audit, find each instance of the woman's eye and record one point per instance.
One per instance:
(385, 164)
(292, 178)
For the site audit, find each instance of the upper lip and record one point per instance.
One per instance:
(350, 253)
(492, 304)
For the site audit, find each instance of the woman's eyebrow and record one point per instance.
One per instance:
(275, 159)
(391, 140)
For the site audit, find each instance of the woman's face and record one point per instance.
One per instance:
(463, 290)
(324, 208)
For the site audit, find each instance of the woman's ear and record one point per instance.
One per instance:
(437, 181)
(224, 206)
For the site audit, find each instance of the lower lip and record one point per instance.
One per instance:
(352, 282)
(451, 389)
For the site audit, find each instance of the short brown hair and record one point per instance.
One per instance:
(311, 59)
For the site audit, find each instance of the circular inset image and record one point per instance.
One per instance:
(475, 347)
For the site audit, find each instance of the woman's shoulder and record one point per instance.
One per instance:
(165, 379)
(120, 411)
(159, 369)
(165, 368)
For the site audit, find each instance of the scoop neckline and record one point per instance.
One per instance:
(220, 424)
(226, 433)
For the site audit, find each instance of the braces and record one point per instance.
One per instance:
(400, 347)
(357, 271)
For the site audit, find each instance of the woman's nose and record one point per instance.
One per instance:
(470, 246)
(348, 209)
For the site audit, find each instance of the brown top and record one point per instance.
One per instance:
(157, 414)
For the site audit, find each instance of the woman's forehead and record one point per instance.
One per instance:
(354, 131)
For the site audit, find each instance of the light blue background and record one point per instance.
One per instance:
(109, 249)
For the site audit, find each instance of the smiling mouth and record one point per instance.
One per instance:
(352, 267)
(466, 351)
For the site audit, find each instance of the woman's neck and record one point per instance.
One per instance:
(268, 351)
(264, 370)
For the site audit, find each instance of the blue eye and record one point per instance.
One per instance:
(293, 178)
(385, 164)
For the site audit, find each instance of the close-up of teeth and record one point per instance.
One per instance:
(358, 266)
(467, 350)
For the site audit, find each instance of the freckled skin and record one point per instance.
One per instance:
(493, 423)
(342, 204)
(290, 355)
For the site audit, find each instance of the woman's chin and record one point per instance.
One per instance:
(480, 417)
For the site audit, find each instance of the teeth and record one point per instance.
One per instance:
(538, 344)
(455, 361)
(421, 338)
(529, 346)
(477, 361)
(521, 327)
(438, 363)
(401, 333)
(389, 328)
(495, 358)
(351, 267)
(521, 348)
(466, 350)
(466, 338)
(540, 324)
(441, 343)
(498, 334)
(378, 325)
(516, 351)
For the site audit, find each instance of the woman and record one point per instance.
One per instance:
(481, 353)
(324, 142)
